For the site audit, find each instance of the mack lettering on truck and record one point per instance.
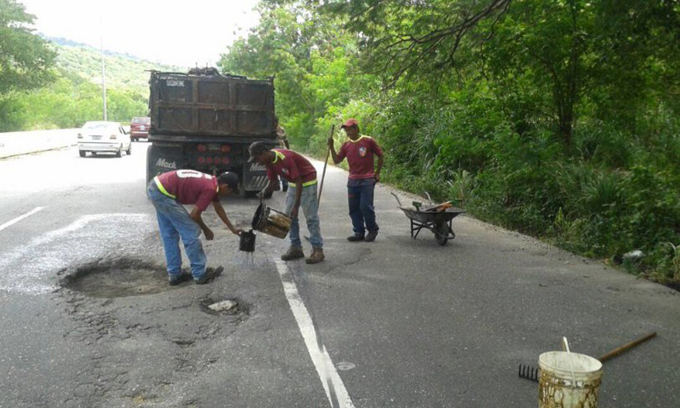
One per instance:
(257, 167)
(166, 164)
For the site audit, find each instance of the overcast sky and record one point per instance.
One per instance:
(187, 33)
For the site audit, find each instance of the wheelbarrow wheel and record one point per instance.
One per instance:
(441, 233)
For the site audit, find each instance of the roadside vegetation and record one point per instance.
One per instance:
(556, 118)
(55, 83)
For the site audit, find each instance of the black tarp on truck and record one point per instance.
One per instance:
(205, 121)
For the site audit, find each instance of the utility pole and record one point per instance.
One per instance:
(101, 47)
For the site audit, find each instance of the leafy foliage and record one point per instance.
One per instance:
(74, 94)
(25, 59)
(551, 117)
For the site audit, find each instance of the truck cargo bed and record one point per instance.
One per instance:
(211, 105)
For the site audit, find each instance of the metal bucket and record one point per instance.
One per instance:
(247, 241)
(271, 222)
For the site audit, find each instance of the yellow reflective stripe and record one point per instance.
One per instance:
(279, 155)
(305, 184)
(162, 189)
(360, 137)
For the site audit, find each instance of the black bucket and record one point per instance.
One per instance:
(247, 242)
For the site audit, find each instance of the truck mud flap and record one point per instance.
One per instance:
(161, 160)
(254, 177)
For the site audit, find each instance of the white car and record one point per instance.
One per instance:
(104, 137)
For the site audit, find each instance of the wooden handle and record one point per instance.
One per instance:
(626, 347)
(323, 176)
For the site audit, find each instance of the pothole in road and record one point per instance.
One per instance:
(121, 277)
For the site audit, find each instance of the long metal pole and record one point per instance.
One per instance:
(101, 47)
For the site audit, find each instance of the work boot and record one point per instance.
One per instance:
(355, 238)
(370, 237)
(293, 253)
(182, 277)
(316, 257)
(209, 275)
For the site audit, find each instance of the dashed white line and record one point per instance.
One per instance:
(332, 383)
(17, 219)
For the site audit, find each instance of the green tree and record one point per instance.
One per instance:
(314, 62)
(25, 58)
(550, 61)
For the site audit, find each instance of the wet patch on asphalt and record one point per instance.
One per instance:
(115, 278)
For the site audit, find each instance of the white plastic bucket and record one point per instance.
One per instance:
(568, 380)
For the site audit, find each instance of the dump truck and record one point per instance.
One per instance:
(205, 121)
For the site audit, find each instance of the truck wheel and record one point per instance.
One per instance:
(119, 153)
(82, 153)
(129, 150)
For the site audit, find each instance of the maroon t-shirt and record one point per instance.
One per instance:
(190, 187)
(359, 155)
(289, 165)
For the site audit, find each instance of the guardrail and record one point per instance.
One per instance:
(19, 143)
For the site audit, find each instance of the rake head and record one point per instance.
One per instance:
(528, 372)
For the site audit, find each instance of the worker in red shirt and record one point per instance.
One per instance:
(360, 151)
(168, 192)
(301, 177)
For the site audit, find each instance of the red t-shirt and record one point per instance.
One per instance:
(359, 155)
(190, 187)
(289, 165)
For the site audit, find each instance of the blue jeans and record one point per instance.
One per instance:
(310, 207)
(174, 222)
(360, 197)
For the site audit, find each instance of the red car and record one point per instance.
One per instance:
(139, 128)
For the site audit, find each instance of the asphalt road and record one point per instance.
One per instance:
(88, 319)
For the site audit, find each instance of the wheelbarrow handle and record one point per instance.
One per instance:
(395, 196)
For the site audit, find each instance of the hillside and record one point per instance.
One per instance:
(123, 71)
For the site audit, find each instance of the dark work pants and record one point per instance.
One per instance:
(361, 209)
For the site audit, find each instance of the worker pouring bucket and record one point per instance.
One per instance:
(271, 222)
(568, 380)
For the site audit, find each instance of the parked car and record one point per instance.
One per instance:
(104, 137)
(139, 128)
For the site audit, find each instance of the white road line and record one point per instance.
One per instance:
(17, 219)
(332, 383)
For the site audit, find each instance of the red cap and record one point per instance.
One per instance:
(350, 123)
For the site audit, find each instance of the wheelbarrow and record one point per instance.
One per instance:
(436, 218)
